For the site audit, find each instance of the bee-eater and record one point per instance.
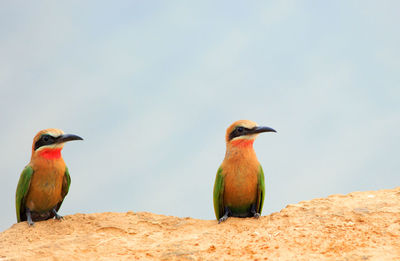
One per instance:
(239, 187)
(45, 181)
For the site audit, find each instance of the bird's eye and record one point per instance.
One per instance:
(46, 138)
(240, 129)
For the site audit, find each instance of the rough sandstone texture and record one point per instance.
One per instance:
(357, 226)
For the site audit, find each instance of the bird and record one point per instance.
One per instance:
(239, 187)
(45, 181)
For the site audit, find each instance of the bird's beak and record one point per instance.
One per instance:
(260, 129)
(67, 137)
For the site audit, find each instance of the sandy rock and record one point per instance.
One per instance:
(357, 226)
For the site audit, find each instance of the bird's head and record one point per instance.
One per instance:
(48, 143)
(243, 133)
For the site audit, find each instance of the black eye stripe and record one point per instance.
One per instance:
(44, 140)
(238, 131)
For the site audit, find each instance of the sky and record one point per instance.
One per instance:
(151, 86)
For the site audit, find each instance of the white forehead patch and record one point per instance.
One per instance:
(55, 133)
(247, 124)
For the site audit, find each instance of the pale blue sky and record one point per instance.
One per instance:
(153, 85)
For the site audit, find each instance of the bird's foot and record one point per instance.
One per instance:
(29, 217)
(58, 217)
(225, 216)
(254, 212)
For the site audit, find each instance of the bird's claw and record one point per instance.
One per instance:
(224, 218)
(58, 217)
(257, 215)
(29, 217)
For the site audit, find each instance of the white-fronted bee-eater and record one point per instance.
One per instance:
(45, 181)
(239, 188)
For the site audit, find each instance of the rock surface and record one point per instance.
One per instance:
(357, 226)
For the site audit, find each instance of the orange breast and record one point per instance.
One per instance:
(46, 185)
(241, 179)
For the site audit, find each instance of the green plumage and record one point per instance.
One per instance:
(218, 195)
(66, 184)
(22, 189)
(260, 191)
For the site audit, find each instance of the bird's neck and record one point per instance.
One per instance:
(48, 154)
(242, 143)
(240, 150)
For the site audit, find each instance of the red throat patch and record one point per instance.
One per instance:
(243, 143)
(50, 153)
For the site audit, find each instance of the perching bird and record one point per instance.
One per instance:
(45, 181)
(239, 188)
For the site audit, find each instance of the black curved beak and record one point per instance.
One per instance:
(67, 137)
(260, 129)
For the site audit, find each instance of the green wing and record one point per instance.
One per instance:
(65, 187)
(218, 196)
(260, 190)
(66, 183)
(22, 189)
